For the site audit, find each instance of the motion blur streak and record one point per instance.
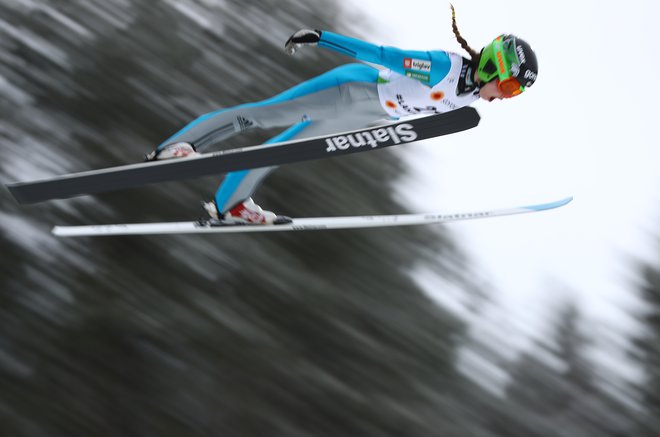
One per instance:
(317, 334)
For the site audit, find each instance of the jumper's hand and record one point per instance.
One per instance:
(304, 37)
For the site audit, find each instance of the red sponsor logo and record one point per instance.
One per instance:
(417, 64)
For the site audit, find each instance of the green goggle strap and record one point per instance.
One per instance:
(498, 47)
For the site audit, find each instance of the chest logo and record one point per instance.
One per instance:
(417, 64)
(438, 95)
(418, 76)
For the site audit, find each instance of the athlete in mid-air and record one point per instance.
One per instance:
(350, 97)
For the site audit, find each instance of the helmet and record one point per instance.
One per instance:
(510, 60)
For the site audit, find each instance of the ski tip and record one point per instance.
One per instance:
(550, 205)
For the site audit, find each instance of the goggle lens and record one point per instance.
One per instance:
(510, 87)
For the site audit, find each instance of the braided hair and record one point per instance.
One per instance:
(474, 55)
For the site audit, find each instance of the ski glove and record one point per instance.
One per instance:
(304, 37)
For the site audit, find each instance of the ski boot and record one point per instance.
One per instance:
(245, 213)
(171, 151)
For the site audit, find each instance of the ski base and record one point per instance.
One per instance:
(299, 224)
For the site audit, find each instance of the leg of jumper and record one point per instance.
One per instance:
(357, 106)
(239, 185)
(314, 99)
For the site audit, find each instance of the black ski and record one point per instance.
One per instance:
(129, 176)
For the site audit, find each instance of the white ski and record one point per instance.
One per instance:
(299, 224)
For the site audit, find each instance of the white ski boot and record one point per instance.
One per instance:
(172, 151)
(245, 213)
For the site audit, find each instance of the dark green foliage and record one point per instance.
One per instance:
(312, 334)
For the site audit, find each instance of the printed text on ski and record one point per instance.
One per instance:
(373, 138)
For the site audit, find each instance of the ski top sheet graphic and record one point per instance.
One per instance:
(130, 176)
(299, 224)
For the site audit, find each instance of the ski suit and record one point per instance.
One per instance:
(349, 97)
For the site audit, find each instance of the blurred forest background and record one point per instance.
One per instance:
(312, 334)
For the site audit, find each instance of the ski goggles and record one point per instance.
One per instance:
(510, 87)
(506, 83)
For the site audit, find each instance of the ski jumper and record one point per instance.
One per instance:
(349, 97)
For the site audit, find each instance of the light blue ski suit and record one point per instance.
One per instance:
(349, 97)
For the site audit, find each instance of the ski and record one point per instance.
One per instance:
(129, 176)
(299, 224)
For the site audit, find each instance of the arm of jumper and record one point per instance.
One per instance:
(429, 67)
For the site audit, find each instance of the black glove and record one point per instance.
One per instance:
(304, 37)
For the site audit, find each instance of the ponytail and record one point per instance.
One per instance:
(473, 53)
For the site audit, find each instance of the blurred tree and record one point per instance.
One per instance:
(557, 391)
(323, 334)
(647, 351)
